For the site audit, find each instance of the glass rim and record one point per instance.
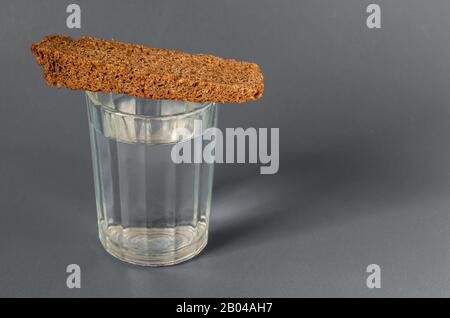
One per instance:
(107, 108)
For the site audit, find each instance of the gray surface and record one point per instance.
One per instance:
(364, 176)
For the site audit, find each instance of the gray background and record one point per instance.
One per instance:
(364, 120)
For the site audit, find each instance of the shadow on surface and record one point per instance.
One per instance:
(320, 190)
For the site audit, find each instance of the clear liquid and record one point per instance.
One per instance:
(151, 211)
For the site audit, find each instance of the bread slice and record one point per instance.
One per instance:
(111, 66)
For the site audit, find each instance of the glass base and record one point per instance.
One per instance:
(154, 246)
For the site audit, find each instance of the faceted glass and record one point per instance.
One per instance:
(151, 211)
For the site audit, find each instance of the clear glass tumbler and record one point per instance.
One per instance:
(151, 210)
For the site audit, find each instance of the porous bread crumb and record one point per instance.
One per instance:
(111, 66)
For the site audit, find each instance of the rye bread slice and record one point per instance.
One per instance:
(111, 66)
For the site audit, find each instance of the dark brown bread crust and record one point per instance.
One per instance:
(111, 66)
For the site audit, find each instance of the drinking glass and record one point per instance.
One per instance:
(151, 210)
